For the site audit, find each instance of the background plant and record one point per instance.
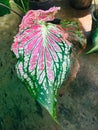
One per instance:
(94, 31)
(5, 7)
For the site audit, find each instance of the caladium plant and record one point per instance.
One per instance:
(43, 54)
(76, 35)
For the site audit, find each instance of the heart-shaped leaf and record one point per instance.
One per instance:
(43, 54)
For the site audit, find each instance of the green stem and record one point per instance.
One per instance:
(10, 9)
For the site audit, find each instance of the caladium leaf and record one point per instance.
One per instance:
(3, 9)
(76, 35)
(43, 54)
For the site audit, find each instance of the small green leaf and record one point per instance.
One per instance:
(4, 10)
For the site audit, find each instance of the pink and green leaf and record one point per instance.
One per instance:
(43, 62)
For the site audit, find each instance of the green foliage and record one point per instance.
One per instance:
(5, 6)
(94, 41)
(3, 9)
(94, 33)
(24, 4)
(75, 33)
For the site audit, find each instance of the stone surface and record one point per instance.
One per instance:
(77, 109)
